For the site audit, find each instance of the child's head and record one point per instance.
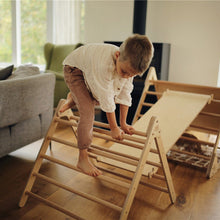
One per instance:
(136, 50)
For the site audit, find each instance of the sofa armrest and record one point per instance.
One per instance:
(26, 97)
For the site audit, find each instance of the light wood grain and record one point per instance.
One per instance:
(197, 197)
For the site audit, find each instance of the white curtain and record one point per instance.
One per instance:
(66, 21)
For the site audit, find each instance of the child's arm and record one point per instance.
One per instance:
(116, 132)
(128, 129)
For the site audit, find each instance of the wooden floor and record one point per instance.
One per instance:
(197, 197)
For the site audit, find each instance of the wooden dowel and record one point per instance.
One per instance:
(114, 165)
(53, 205)
(191, 154)
(216, 100)
(153, 93)
(117, 141)
(101, 177)
(113, 157)
(155, 82)
(153, 186)
(65, 122)
(127, 137)
(203, 128)
(147, 104)
(104, 149)
(82, 194)
(140, 115)
(210, 114)
(59, 140)
(124, 143)
(104, 125)
(72, 123)
(125, 155)
(180, 84)
(197, 141)
(156, 176)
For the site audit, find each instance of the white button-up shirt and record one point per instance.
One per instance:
(97, 62)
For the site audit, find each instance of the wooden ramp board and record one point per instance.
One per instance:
(175, 112)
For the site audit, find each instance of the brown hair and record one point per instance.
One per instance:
(138, 50)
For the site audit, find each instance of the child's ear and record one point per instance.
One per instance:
(117, 54)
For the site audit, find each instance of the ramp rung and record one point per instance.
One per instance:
(82, 194)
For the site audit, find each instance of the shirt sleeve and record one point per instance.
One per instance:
(124, 97)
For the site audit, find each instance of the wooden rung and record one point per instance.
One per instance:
(101, 177)
(53, 205)
(117, 141)
(203, 128)
(147, 104)
(126, 156)
(115, 165)
(191, 154)
(210, 114)
(104, 125)
(65, 122)
(158, 176)
(127, 137)
(119, 157)
(114, 157)
(110, 138)
(153, 93)
(142, 182)
(197, 141)
(59, 140)
(215, 100)
(82, 194)
(153, 186)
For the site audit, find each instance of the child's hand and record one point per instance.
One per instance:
(117, 133)
(128, 129)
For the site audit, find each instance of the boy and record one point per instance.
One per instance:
(103, 74)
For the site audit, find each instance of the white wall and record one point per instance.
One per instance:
(191, 27)
(108, 20)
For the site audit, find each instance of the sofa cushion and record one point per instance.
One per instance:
(24, 71)
(6, 72)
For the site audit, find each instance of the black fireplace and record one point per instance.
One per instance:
(160, 61)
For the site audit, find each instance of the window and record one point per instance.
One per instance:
(6, 33)
(26, 25)
(23, 24)
(33, 30)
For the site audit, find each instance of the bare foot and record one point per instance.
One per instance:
(86, 165)
(68, 104)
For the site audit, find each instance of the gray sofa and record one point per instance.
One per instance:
(26, 110)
